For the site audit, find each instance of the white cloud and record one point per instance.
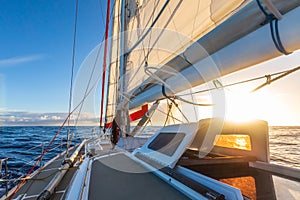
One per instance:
(44, 117)
(21, 118)
(11, 118)
(54, 117)
(20, 59)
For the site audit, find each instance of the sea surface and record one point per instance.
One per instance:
(23, 145)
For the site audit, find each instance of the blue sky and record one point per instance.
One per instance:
(36, 40)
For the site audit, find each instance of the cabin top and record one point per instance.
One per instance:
(208, 136)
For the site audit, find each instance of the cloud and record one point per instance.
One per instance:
(20, 60)
(20, 118)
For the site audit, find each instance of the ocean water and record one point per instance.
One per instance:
(285, 145)
(23, 145)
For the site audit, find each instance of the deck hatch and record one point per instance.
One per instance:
(166, 143)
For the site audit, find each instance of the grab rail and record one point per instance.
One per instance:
(6, 173)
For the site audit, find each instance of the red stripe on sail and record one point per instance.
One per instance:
(139, 114)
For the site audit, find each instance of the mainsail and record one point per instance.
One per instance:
(181, 44)
(149, 27)
(187, 43)
(160, 30)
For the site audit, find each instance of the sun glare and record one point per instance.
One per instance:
(242, 105)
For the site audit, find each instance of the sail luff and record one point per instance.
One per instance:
(109, 70)
(113, 75)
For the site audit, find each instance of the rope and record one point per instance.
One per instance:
(42, 155)
(192, 103)
(91, 76)
(168, 113)
(87, 93)
(173, 101)
(174, 118)
(148, 121)
(269, 80)
(240, 82)
(181, 99)
(38, 179)
(54, 137)
(274, 33)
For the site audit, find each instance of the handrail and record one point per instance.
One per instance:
(6, 173)
(49, 189)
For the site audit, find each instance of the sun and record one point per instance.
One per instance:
(242, 105)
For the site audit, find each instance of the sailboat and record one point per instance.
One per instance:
(157, 52)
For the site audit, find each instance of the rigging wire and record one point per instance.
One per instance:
(143, 47)
(149, 29)
(173, 101)
(168, 112)
(242, 82)
(158, 37)
(270, 80)
(137, 18)
(174, 118)
(195, 111)
(56, 134)
(180, 99)
(53, 139)
(91, 76)
(101, 11)
(156, 3)
(72, 74)
(148, 121)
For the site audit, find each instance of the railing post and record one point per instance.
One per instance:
(61, 143)
(6, 176)
(41, 163)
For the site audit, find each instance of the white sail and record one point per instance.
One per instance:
(113, 75)
(169, 49)
(176, 25)
(236, 56)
